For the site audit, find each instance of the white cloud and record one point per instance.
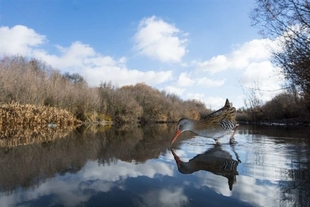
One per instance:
(254, 51)
(174, 90)
(184, 80)
(214, 65)
(76, 51)
(257, 50)
(19, 40)
(160, 40)
(215, 102)
(76, 56)
(123, 76)
(263, 71)
(209, 82)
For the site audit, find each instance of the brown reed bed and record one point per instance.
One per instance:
(31, 115)
(25, 124)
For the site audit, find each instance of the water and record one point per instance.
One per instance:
(132, 166)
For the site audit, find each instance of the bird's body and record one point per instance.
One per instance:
(216, 125)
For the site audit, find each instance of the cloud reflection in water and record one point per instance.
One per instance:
(73, 189)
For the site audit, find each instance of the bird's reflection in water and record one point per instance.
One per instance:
(215, 160)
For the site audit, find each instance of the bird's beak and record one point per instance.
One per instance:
(177, 133)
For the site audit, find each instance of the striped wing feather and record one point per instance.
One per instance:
(226, 113)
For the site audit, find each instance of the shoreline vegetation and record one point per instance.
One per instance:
(35, 98)
(35, 83)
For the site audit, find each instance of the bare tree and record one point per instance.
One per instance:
(252, 100)
(288, 21)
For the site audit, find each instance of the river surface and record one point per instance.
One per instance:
(133, 166)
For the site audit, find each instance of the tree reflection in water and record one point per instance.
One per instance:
(31, 164)
(215, 160)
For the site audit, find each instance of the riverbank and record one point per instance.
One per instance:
(281, 122)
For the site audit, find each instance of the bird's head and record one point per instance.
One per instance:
(182, 126)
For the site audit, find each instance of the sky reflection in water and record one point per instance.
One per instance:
(265, 168)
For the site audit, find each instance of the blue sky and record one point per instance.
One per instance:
(200, 49)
